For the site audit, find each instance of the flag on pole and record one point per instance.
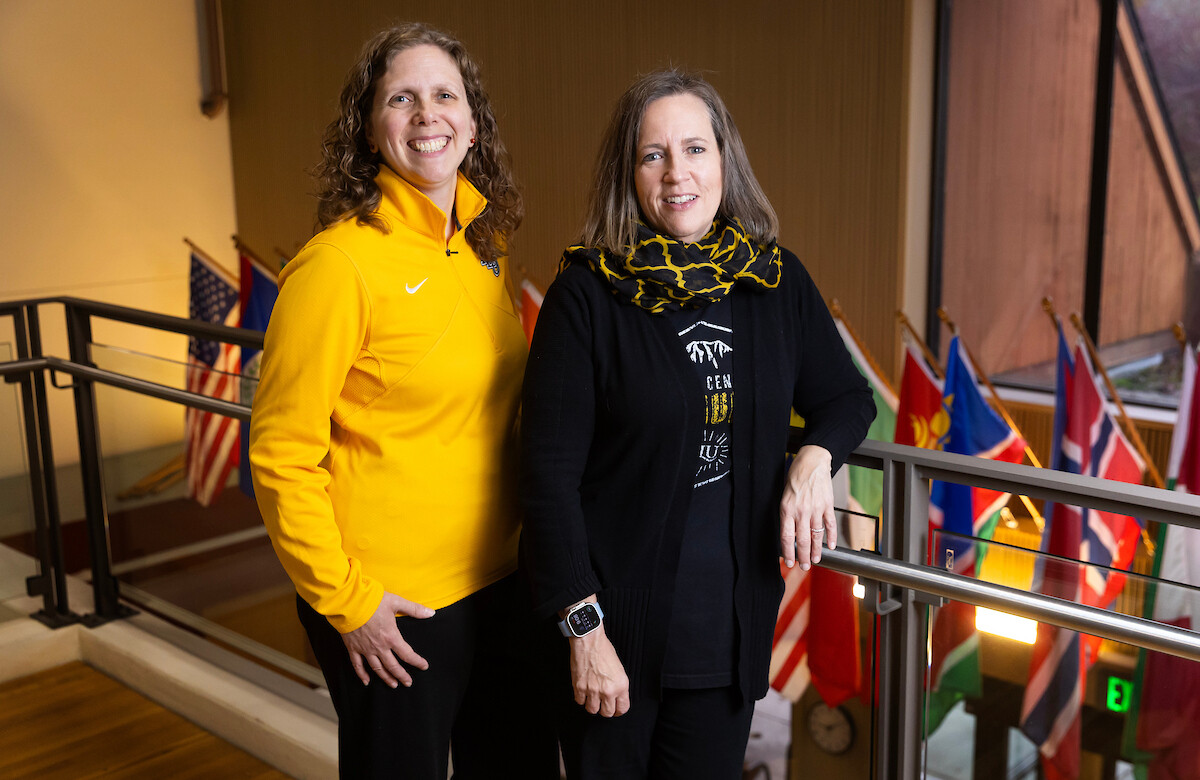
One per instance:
(816, 636)
(920, 419)
(1168, 712)
(1088, 441)
(789, 649)
(816, 630)
(211, 439)
(968, 513)
(821, 599)
(531, 305)
(259, 289)
(1109, 540)
(974, 429)
(866, 485)
(1183, 467)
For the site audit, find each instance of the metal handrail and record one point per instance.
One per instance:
(142, 386)
(1035, 606)
(1142, 501)
(109, 311)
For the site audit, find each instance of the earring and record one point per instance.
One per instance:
(472, 140)
(374, 149)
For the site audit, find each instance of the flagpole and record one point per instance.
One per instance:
(196, 248)
(156, 481)
(835, 308)
(930, 358)
(1130, 428)
(944, 317)
(1048, 307)
(241, 246)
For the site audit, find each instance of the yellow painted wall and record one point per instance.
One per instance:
(107, 164)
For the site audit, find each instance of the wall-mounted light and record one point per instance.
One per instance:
(1008, 626)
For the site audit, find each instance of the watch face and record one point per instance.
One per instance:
(584, 620)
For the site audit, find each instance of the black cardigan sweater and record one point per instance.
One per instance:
(611, 424)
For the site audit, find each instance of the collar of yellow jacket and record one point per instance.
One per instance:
(413, 208)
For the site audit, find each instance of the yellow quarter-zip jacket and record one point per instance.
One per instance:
(382, 438)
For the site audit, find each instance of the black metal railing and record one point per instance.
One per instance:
(30, 371)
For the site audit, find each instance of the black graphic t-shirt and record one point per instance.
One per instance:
(700, 644)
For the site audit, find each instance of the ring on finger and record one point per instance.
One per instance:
(818, 531)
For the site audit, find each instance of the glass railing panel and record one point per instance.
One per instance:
(17, 548)
(211, 560)
(1011, 558)
(1000, 688)
(172, 372)
(834, 677)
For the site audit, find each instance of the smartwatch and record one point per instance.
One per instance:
(583, 619)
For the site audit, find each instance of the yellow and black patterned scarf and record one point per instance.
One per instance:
(661, 274)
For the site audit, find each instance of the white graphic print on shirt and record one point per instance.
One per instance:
(708, 346)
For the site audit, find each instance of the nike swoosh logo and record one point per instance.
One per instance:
(410, 289)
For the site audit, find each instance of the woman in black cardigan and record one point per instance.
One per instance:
(657, 507)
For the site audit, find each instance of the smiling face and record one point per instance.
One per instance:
(678, 175)
(421, 121)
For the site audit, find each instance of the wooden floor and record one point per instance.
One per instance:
(74, 722)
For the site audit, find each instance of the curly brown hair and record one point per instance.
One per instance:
(346, 173)
(613, 211)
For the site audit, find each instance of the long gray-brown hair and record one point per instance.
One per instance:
(612, 214)
(346, 173)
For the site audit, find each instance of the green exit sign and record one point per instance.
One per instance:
(1120, 694)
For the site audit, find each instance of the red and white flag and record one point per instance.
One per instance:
(1087, 441)
(211, 440)
(530, 305)
(1169, 710)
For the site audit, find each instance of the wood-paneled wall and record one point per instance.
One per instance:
(817, 90)
(1145, 248)
(1021, 94)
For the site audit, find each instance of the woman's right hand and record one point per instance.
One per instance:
(376, 644)
(598, 675)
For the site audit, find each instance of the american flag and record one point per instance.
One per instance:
(211, 439)
(1087, 441)
(816, 636)
(789, 672)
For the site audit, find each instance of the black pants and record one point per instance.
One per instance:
(476, 698)
(694, 734)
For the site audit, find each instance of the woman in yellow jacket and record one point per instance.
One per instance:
(382, 436)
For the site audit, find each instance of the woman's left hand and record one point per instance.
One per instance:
(806, 511)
